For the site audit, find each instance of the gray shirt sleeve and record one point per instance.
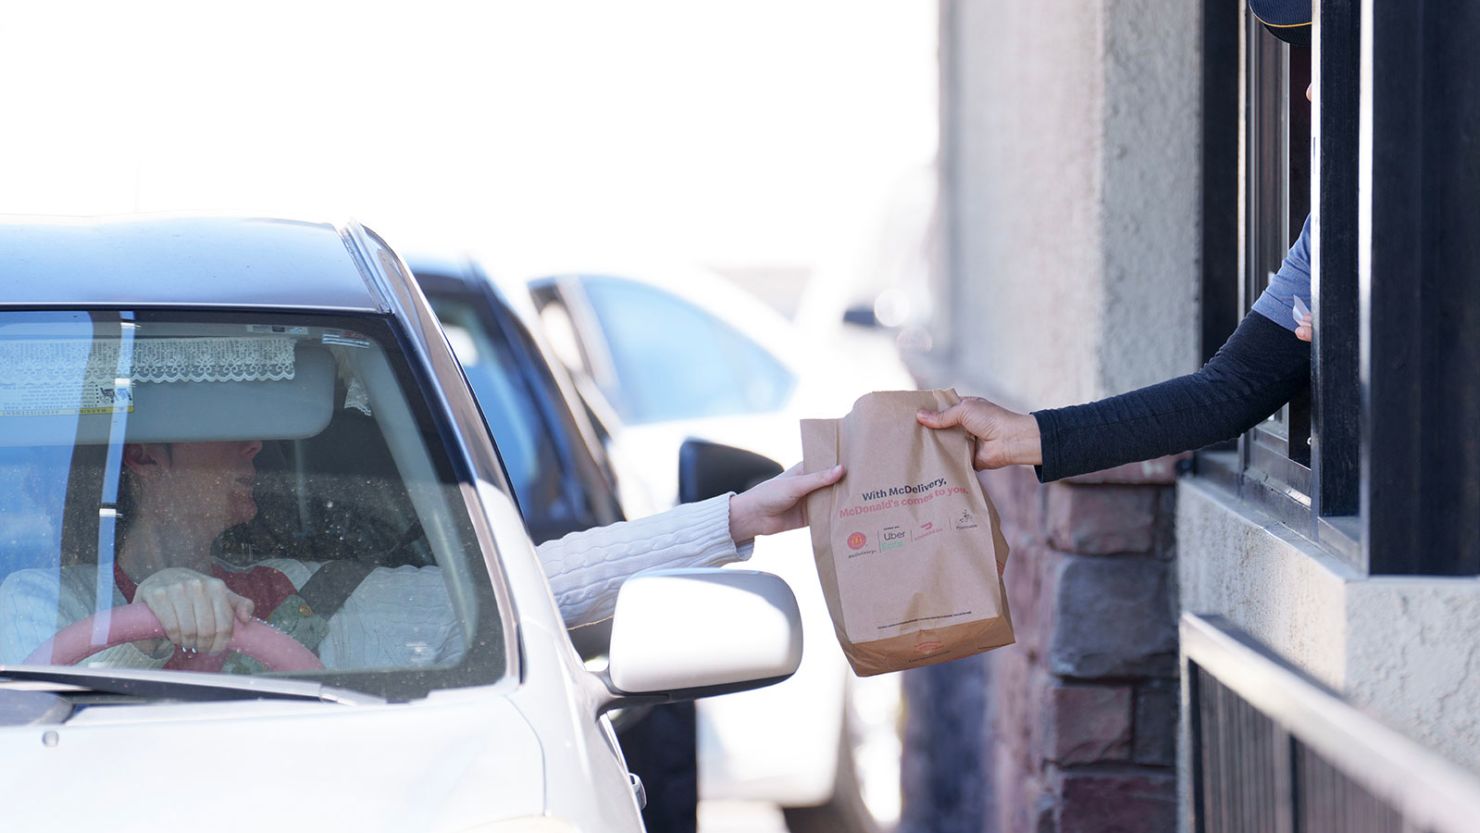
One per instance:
(1276, 302)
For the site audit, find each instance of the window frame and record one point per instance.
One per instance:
(1394, 478)
(1335, 383)
(1270, 219)
(1287, 466)
(1419, 182)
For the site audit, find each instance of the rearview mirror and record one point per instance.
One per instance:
(682, 634)
(707, 470)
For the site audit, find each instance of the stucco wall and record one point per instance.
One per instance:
(1253, 571)
(1404, 648)
(1071, 195)
(1412, 656)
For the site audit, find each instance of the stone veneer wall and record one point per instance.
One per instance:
(1066, 269)
(1074, 728)
(1083, 711)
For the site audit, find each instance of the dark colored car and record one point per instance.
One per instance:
(554, 458)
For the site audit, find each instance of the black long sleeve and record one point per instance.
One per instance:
(1259, 368)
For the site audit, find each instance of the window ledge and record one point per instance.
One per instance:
(1338, 537)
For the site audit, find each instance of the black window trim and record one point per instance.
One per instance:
(1419, 295)
(1395, 466)
(1279, 466)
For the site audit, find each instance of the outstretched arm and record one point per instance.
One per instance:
(1259, 368)
(586, 569)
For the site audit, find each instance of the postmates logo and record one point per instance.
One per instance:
(856, 541)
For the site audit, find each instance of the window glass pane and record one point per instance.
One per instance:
(1276, 184)
(676, 361)
(245, 455)
(511, 407)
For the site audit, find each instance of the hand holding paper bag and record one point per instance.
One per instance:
(909, 548)
(1003, 437)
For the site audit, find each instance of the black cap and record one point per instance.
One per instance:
(1288, 20)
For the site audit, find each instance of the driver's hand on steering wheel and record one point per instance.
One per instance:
(197, 611)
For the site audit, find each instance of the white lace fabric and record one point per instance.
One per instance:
(45, 361)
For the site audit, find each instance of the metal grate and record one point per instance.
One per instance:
(1330, 802)
(1273, 751)
(1239, 755)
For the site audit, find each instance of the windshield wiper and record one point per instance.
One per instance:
(185, 685)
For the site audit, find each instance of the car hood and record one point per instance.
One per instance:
(426, 766)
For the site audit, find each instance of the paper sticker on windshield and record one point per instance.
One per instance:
(345, 338)
(95, 397)
(61, 377)
(277, 329)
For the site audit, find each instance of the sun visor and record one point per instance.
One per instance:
(164, 390)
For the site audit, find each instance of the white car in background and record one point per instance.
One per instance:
(663, 355)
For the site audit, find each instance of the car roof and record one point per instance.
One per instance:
(194, 262)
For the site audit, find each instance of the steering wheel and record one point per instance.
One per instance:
(133, 622)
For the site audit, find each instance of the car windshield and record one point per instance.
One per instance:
(280, 460)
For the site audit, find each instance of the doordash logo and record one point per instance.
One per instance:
(856, 541)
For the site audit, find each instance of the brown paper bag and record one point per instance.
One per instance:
(909, 549)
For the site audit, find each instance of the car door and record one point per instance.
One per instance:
(562, 487)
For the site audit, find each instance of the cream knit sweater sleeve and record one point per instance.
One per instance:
(586, 569)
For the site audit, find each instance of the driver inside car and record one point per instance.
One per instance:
(178, 498)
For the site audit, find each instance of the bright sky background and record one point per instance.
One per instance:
(761, 132)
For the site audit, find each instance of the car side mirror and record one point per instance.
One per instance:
(687, 633)
(862, 315)
(707, 470)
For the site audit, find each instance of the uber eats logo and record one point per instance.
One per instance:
(893, 538)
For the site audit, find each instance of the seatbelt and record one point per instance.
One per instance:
(328, 588)
(331, 585)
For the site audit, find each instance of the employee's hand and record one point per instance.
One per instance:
(197, 611)
(778, 504)
(1003, 437)
(1304, 330)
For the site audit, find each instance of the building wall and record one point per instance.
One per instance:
(1070, 161)
(1082, 711)
(1070, 188)
(1404, 648)
(1068, 270)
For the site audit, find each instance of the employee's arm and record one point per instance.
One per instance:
(1259, 369)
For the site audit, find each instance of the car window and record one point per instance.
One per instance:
(508, 404)
(517, 399)
(260, 452)
(673, 360)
